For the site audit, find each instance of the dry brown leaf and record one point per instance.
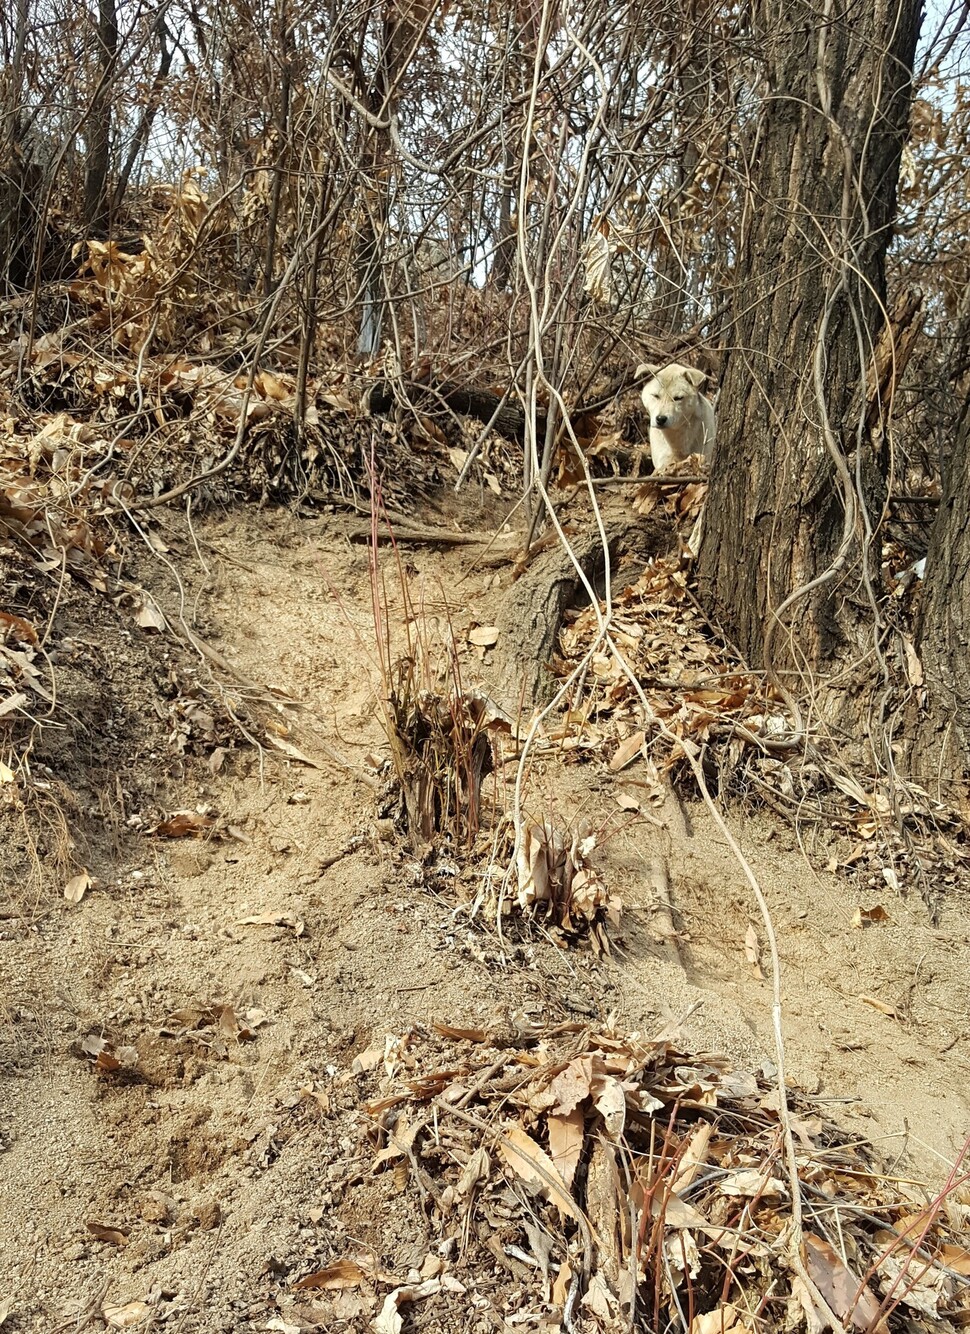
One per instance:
(566, 1136)
(475, 1170)
(185, 824)
(350, 1306)
(726, 1319)
(627, 751)
(370, 1058)
(292, 751)
(610, 1102)
(338, 400)
(340, 1274)
(484, 636)
(572, 1086)
(875, 916)
(269, 386)
(108, 1061)
(693, 1158)
(463, 1034)
(914, 668)
(128, 1316)
(533, 867)
(881, 1006)
(752, 951)
(751, 1182)
(112, 1234)
(399, 1140)
(678, 1213)
(148, 615)
(389, 1321)
(683, 1256)
(805, 1306)
(560, 1289)
(531, 1162)
(601, 1301)
(18, 628)
(292, 923)
(317, 1095)
(78, 886)
(13, 702)
(841, 1288)
(956, 1258)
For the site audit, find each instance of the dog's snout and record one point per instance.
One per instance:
(660, 421)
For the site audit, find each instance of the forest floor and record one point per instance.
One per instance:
(188, 1052)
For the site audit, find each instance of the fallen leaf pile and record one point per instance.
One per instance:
(690, 682)
(626, 1184)
(216, 1028)
(107, 1056)
(22, 685)
(706, 697)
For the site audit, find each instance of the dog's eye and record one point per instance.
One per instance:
(678, 398)
(656, 396)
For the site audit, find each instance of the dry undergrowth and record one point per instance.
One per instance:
(622, 1183)
(893, 835)
(625, 1184)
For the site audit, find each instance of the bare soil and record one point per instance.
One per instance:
(229, 1156)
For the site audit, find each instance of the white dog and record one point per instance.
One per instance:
(681, 419)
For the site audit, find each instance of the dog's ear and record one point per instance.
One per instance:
(646, 369)
(696, 378)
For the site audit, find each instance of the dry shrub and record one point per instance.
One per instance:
(441, 748)
(556, 878)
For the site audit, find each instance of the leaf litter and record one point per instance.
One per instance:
(607, 1170)
(629, 1184)
(706, 696)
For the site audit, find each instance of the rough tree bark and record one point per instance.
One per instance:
(798, 474)
(942, 738)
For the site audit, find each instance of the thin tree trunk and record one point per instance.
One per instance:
(504, 257)
(18, 218)
(149, 111)
(98, 131)
(675, 263)
(284, 149)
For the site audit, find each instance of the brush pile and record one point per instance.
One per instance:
(627, 1184)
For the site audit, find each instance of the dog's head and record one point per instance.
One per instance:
(670, 395)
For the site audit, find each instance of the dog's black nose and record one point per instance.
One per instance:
(660, 421)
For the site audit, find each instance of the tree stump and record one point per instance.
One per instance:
(533, 613)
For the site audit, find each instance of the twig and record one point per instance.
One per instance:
(650, 478)
(417, 534)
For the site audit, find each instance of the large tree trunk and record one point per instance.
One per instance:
(798, 475)
(941, 751)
